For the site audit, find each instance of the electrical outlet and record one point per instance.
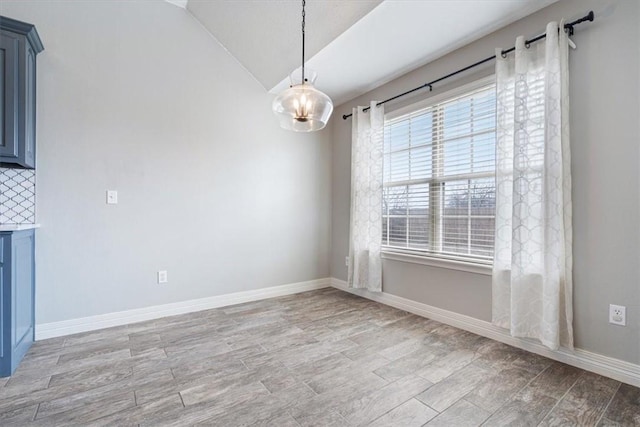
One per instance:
(617, 315)
(162, 276)
(346, 261)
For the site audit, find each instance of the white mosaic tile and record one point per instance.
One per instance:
(17, 196)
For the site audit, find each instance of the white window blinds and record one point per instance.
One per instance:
(439, 177)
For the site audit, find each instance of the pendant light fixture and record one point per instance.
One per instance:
(302, 107)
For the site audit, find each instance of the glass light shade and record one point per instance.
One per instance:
(302, 107)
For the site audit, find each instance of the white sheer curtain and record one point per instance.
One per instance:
(365, 266)
(532, 279)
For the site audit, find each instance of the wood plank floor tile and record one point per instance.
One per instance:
(98, 337)
(285, 420)
(153, 410)
(402, 349)
(93, 358)
(35, 366)
(460, 414)
(333, 378)
(343, 332)
(329, 363)
(366, 408)
(375, 342)
(51, 393)
(625, 406)
(88, 378)
(410, 363)
(312, 352)
(156, 390)
(446, 365)
(325, 419)
(86, 414)
(247, 307)
(19, 385)
(285, 343)
(216, 412)
(139, 327)
(409, 414)
(187, 351)
(606, 422)
(47, 346)
(585, 402)
(531, 362)
(490, 395)
(265, 409)
(178, 417)
(318, 358)
(225, 397)
(278, 380)
(450, 390)
(215, 365)
(305, 413)
(459, 339)
(58, 404)
(554, 381)
(232, 385)
(523, 410)
(18, 417)
(499, 357)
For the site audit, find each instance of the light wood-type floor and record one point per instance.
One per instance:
(321, 358)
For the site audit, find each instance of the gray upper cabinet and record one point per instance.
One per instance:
(19, 45)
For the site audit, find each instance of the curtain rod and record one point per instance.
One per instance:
(569, 26)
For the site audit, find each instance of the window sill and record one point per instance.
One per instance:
(451, 264)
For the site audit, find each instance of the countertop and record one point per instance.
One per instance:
(18, 227)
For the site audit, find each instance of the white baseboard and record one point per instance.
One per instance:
(608, 366)
(101, 321)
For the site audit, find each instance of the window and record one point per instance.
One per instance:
(439, 176)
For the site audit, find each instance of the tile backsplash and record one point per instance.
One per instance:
(17, 196)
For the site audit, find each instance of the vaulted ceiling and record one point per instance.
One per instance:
(354, 45)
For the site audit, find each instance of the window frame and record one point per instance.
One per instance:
(444, 260)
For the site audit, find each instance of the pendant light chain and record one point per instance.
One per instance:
(304, 2)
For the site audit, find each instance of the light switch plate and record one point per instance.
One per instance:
(112, 197)
(162, 276)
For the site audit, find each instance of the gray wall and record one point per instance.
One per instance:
(605, 159)
(137, 97)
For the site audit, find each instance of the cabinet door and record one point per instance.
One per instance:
(22, 267)
(17, 297)
(9, 91)
(5, 307)
(29, 136)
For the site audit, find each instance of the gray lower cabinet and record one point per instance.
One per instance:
(19, 45)
(17, 297)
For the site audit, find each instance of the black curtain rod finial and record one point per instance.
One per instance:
(569, 26)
